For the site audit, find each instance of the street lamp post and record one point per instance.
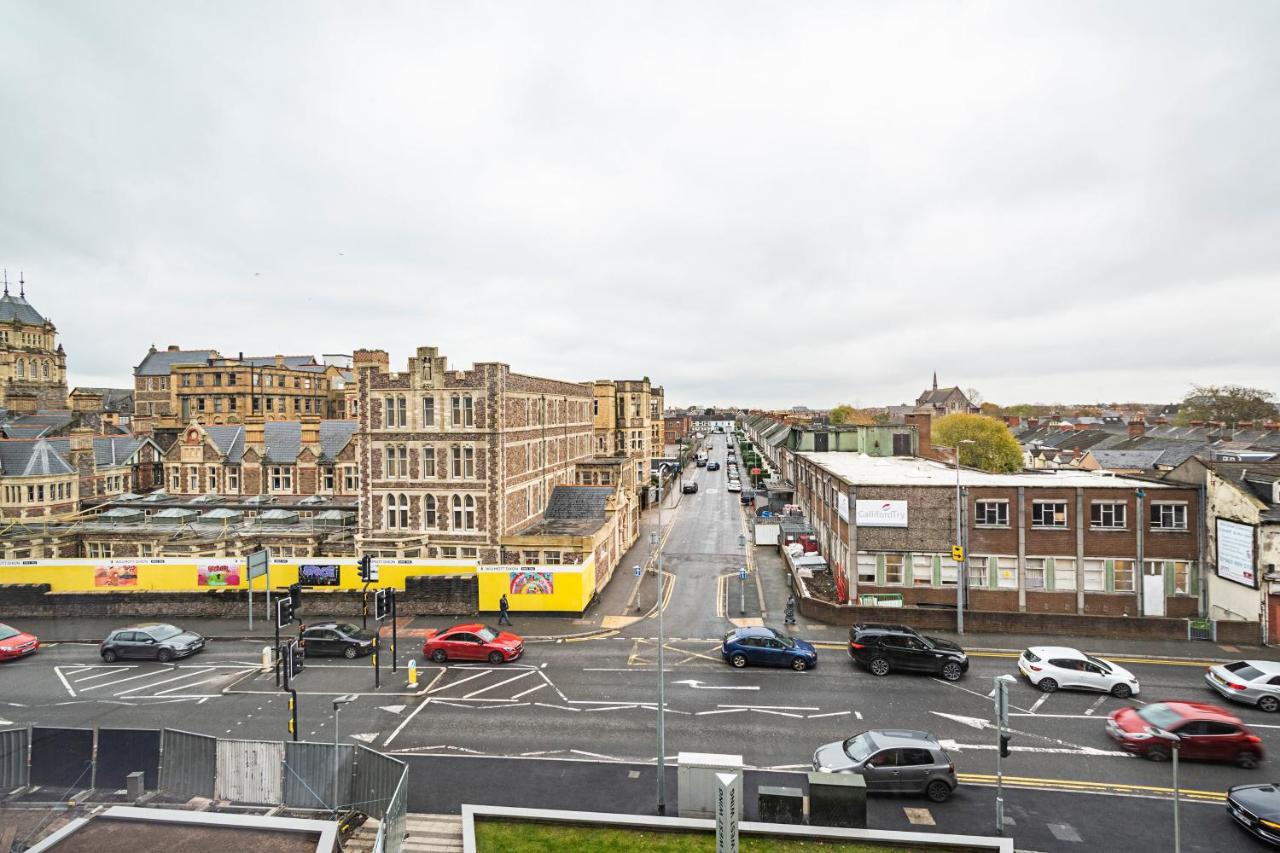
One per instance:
(962, 581)
(1175, 745)
(341, 700)
(742, 577)
(655, 539)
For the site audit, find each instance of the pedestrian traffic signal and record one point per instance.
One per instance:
(284, 611)
(382, 604)
(368, 571)
(1004, 745)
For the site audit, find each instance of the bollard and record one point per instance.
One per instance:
(413, 673)
(267, 659)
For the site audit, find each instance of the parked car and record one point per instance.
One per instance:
(690, 487)
(748, 495)
(897, 761)
(1051, 667)
(702, 462)
(16, 644)
(713, 466)
(735, 486)
(1251, 682)
(1203, 732)
(761, 646)
(1257, 809)
(338, 638)
(472, 641)
(885, 648)
(150, 641)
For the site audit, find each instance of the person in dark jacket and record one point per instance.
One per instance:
(790, 615)
(503, 607)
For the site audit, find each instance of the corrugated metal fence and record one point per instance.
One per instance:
(309, 774)
(190, 765)
(249, 771)
(381, 790)
(14, 744)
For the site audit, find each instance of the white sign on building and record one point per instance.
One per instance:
(880, 513)
(1235, 553)
(842, 506)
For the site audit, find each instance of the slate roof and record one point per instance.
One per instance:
(228, 439)
(939, 396)
(577, 502)
(119, 400)
(334, 437)
(158, 363)
(18, 308)
(306, 363)
(283, 440)
(1127, 459)
(33, 458)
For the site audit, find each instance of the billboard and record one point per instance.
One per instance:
(312, 574)
(532, 583)
(116, 575)
(880, 513)
(217, 574)
(1235, 553)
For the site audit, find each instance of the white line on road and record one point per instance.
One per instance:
(499, 684)
(183, 686)
(530, 690)
(479, 674)
(553, 687)
(831, 714)
(698, 685)
(770, 707)
(109, 671)
(178, 677)
(63, 679)
(1095, 706)
(778, 713)
(560, 707)
(400, 727)
(1043, 698)
(611, 708)
(721, 711)
(146, 674)
(858, 714)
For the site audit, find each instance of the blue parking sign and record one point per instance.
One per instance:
(742, 573)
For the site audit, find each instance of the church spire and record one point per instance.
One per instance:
(935, 380)
(6, 282)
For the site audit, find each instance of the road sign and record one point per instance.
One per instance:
(637, 571)
(957, 553)
(368, 570)
(257, 563)
(742, 573)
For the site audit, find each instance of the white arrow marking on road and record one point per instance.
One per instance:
(6, 722)
(368, 737)
(973, 722)
(697, 685)
(394, 709)
(951, 745)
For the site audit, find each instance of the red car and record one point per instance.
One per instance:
(15, 643)
(472, 642)
(1203, 732)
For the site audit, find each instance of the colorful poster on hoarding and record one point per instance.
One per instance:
(126, 575)
(532, 583)
(311, 574)
(217, 574)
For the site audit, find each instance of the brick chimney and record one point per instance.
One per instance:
(1137, 427)
(254, 429)
(1244, 425)
(1197, 423)
(310, 431)
(1162, 421)
(1271, 426)
(86, 402)
(21, 402)
(80, 457)
(174, 348)
(1033, 423)
(279, 361)
(923, 422)
(1012, 421)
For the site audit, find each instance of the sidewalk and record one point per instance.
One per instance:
(775, 582)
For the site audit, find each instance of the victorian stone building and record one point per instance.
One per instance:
(32, 363)
(451, 461)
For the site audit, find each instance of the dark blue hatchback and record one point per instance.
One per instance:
(767, 647)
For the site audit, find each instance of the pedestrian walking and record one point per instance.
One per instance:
(503, 607)
(790, 616)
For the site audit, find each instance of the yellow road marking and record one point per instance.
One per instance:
(592, 637)
(1081, 785)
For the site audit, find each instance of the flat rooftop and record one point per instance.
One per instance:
(125, 829)
(859, 469)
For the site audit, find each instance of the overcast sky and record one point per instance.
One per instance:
(754, 203)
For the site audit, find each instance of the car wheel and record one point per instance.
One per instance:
(952, 672)
(1269, 704)
(879, 666)
(799, 664)
(1122, 691)
(739, 660)
(109, 656)
(938, 791)
(1048, 685)
(439, 656)
(495, 658)
(349, 653)
(1247, 760)
(164, 655)
(1158, 753)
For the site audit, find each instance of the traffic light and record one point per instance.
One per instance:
(1004, 745)
(381, 604)
(368, 571)
(296, 657)
(284, 611)
(295, 593)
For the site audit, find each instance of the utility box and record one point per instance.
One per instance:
(134, 786)
(838, 799)
(780, 805)
(696, 782)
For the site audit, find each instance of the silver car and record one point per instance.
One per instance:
(1251, 682)
(892, 761)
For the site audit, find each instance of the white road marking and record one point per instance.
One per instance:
(499, 684)
(393, 709)
(110, 671)
(972, 722)
(611, 708)
(1043, 698)
(831, 714)
(721, 711)
(179, 687)
(858, 714)
(559, 707)
(366, 737)
(983, 696)
(146, 674)
(63, 679)
(6, 722)
(1048, 750)
(698, 685)
(405, 722)
(178, 677)
(769, 707)
(479, 674)
(1095, 706)
(778, 713)
(530, 690)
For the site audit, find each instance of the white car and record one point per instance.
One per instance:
(735, 486)
(1052, 667)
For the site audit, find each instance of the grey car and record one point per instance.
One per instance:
(895, 761)
(152, 641)
(1251, 682)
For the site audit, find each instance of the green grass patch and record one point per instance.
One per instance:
(494, 836)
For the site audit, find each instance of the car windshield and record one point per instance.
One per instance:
(487, 634)
(6, 632)
(1106, 667)
(782, 638)
(164, 632)
(1160, 716)
(859, 747)
(347, 628)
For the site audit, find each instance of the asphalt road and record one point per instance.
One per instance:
(584, 713)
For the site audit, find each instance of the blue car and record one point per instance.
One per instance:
(767, 647)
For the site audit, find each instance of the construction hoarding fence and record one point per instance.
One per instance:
(62, 758)
(124, 751)
(308, 775)
(190, 766)
(14, 744)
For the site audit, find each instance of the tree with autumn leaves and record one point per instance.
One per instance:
(994, 448)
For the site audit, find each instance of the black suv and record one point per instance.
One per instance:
(689, 488)
(337, 638)
(885, 648)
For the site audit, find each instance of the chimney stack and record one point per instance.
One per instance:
(310, 430)
(174, 348)
(923, 422)
(1244, 425)
(1013, 421)
(1137, 427)
(1033, 423)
